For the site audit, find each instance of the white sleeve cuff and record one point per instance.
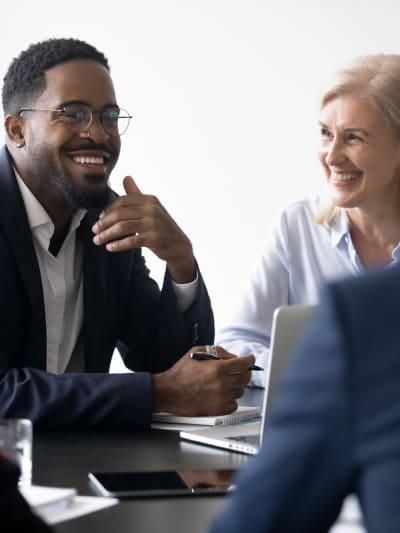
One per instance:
(185, 293)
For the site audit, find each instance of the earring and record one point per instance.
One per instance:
(20, 144)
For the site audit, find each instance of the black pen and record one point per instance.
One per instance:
(204, 356)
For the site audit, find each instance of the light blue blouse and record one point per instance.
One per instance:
(299, 257)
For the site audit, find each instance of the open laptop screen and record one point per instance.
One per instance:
(289, 323)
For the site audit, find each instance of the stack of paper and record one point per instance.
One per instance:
(169, 421)
(55, 504)
(47, 500)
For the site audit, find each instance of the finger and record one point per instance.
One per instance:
(128, 243)
(231, 406)
(238, 392)
(130, 186)
(241, 364)
(195, 349)
(238, 378)
(108, 230)
(124, 220)
(133, 200)
(224, 354)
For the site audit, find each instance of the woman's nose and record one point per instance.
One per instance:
(335, 154)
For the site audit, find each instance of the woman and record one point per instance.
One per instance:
(360, 228)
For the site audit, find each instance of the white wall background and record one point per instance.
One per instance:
(224, 97)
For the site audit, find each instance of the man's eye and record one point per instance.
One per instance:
(78, 115)
(111, 116)
(74, 114)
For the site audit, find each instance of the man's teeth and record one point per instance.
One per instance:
(345, 176)
(89, 160)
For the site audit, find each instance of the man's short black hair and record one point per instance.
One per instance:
(25, 79)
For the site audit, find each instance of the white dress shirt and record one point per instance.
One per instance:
(298, 258)
(62, 283)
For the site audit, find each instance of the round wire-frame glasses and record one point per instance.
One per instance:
(79, 117)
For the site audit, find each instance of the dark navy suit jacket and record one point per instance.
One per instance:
(123, 308)
(335, 427)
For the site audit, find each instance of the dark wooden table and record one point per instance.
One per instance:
(63, 459)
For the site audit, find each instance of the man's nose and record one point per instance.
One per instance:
(96, 130)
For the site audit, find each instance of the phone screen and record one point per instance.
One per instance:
(164, 483)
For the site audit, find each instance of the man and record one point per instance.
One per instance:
(335, 429)
(73, 282)
(16, 515)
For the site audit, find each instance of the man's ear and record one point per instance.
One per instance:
(13, 126)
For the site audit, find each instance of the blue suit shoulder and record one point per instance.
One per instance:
(372, 293)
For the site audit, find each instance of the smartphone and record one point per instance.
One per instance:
(162, 483)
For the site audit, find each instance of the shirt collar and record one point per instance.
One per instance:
(340, 233)
(339, 227)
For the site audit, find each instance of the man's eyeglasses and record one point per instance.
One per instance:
(79, 117)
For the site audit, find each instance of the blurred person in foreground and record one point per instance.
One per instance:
(355, 229)
(16, 515)
(73, 281)
(334, 430)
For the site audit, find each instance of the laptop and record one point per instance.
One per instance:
(288, 324)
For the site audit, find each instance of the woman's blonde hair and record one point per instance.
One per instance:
(374, 78)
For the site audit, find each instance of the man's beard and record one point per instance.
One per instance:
(45, 169)
(79, 197)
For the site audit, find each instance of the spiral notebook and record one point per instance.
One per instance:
(289, 323)
(243, 412)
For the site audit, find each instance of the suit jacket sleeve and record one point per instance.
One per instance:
(123, 307)
(157, 333)
(298, 480)
(151, 334)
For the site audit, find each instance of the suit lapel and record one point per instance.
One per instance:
(99, 298)
(15, 224)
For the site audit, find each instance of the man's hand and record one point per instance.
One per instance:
(139, 220)
(200, 388)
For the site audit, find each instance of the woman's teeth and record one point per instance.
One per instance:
(345, 176)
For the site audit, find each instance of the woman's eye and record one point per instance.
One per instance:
(326, 133)
(353, 137)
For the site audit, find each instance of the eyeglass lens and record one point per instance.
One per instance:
(78, 117)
